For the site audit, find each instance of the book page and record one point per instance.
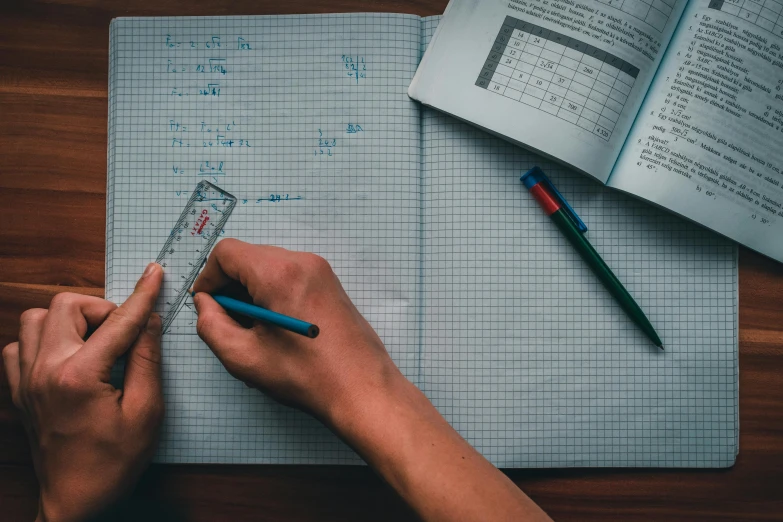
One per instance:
(709, 140)
(563, 78)
(306, 120)
(527, 354)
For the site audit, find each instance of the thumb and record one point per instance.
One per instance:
(233, 345)
(143, 391)
(123, 326)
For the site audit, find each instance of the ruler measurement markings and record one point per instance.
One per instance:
(188, 245)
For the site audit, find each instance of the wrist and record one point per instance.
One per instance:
(388, 425)
(360, 405)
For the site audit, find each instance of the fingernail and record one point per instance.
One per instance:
(154, 324)
(151, 268)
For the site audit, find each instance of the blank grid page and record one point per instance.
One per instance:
(307, 122)
(529, 357)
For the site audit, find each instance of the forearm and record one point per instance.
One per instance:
(346, 378)
(401, 435)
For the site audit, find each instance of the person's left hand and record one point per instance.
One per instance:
(90, 441)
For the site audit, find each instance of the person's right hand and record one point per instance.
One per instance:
(345, 362)
(346, 378)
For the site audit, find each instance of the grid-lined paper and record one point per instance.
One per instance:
(475, 293)
(310, 107)
(529, 357)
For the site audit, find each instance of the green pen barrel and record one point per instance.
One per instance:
(605, 274)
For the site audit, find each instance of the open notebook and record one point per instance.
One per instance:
(478, 298)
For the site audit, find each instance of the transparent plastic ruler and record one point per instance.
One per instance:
(187, 247)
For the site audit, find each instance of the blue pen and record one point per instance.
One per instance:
(267, 316)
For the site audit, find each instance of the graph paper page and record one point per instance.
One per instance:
(306, 120)
(525, 352)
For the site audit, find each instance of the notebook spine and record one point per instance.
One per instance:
(109, 290)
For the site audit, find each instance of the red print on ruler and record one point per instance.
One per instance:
(200, 223)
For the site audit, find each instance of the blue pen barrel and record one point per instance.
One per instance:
(261, 314)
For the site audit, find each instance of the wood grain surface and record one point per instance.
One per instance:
(53, 98)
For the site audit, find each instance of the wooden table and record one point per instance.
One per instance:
(53, 99)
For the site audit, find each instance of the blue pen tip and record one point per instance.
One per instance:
(531, 177)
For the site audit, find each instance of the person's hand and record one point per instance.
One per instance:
(346, 361)
(346, 378)
(90, 441)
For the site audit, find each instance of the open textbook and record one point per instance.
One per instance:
(675, 102)
(477, 296)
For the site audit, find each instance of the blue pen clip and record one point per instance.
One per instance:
(535, 176)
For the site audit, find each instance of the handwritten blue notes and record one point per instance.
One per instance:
(211, 42)
(206, 136)
(210, 89)
(279, 198)
(325, 145)
(211, 168)
(213, 65)
(356, 67)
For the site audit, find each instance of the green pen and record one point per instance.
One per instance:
(573, 228)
